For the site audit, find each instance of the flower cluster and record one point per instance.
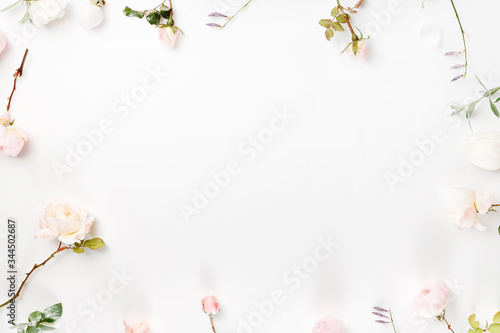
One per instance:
(160, 17)
(43, 12)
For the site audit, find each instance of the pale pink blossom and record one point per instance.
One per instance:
(465, 205)
(67, 222)
(328, 324)
(210, 305)
(142, 327)
(12, 139)
(432, 300)
(361, 53)
(483, 150)
(168, 36)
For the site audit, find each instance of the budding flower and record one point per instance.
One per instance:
(91, 14)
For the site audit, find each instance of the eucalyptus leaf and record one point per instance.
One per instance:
(494, 108)
(35, 317)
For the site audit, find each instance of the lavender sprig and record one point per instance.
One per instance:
(383, 313)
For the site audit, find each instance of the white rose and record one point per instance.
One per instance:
(483, 150)
(67, 222)
(90, 15)
(42, 12)
(465, 205)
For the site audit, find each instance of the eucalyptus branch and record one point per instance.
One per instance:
(17, 74)
(35, 267)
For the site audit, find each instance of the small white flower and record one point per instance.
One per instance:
(465, 205)
(42, 12)
(90, 15)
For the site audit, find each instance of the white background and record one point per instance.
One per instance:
(322, 176)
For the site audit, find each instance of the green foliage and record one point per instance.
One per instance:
(37, 320)
(471, 107)
(475, 325)
(133, 13)
(340, 16)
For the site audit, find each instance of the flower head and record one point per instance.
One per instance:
(328, 324)
(483, 150)
(67, 222)
(90, 15)
(168, 35)
(431, 300)
(360, 47)
(210, 305)
(465, 205)
(12, 139)
(42, 12)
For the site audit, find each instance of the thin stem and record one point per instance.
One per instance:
(212, 323)
(392, 322)
(353, 35)
(446, 321)
(60, 248)
(231, 17)
(18, 73)
(463, 36)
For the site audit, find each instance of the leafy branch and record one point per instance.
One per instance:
(471, 107)
(38, 319)
(493, 328)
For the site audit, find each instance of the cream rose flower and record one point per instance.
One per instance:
(90, 15)
(42, 12)
(483, 150)
(12, 139)
(465, 205)
(67, 222)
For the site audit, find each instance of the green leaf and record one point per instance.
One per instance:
(335, 11)
(337, 26)
(132, 13)
(498, 100)
(342, 18)
(165, 12)
(326, 23)
(329, 34)
(496, 318)
(45, 327)
(481, 83)
(35, 317)
(494, 108)
(32, 329)
(94, 244)
(494, 328)
(52, 313)
(355, 47)
(78, 250)
(154, 18)
(10, 6)
(472, 321)
(21, 328)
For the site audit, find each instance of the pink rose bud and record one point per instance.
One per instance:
(168, 36)
(361, 53)
(142, 327)
(328, 324)
(431, 301)
(12, 140)
(210, 305)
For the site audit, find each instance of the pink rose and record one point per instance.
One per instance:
(12, 140)
(210, 306)
(361, 54)
(465, 205)
(142, 327)
(3, 43)
(168, 36)
(328, 324)
(431, 301)
(67, 222)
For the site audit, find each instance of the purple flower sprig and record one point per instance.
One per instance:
(384, 316)
(227, 18)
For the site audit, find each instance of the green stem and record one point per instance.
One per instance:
(463, 36)
(353, 35)
(239, 10)
(392, 322)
